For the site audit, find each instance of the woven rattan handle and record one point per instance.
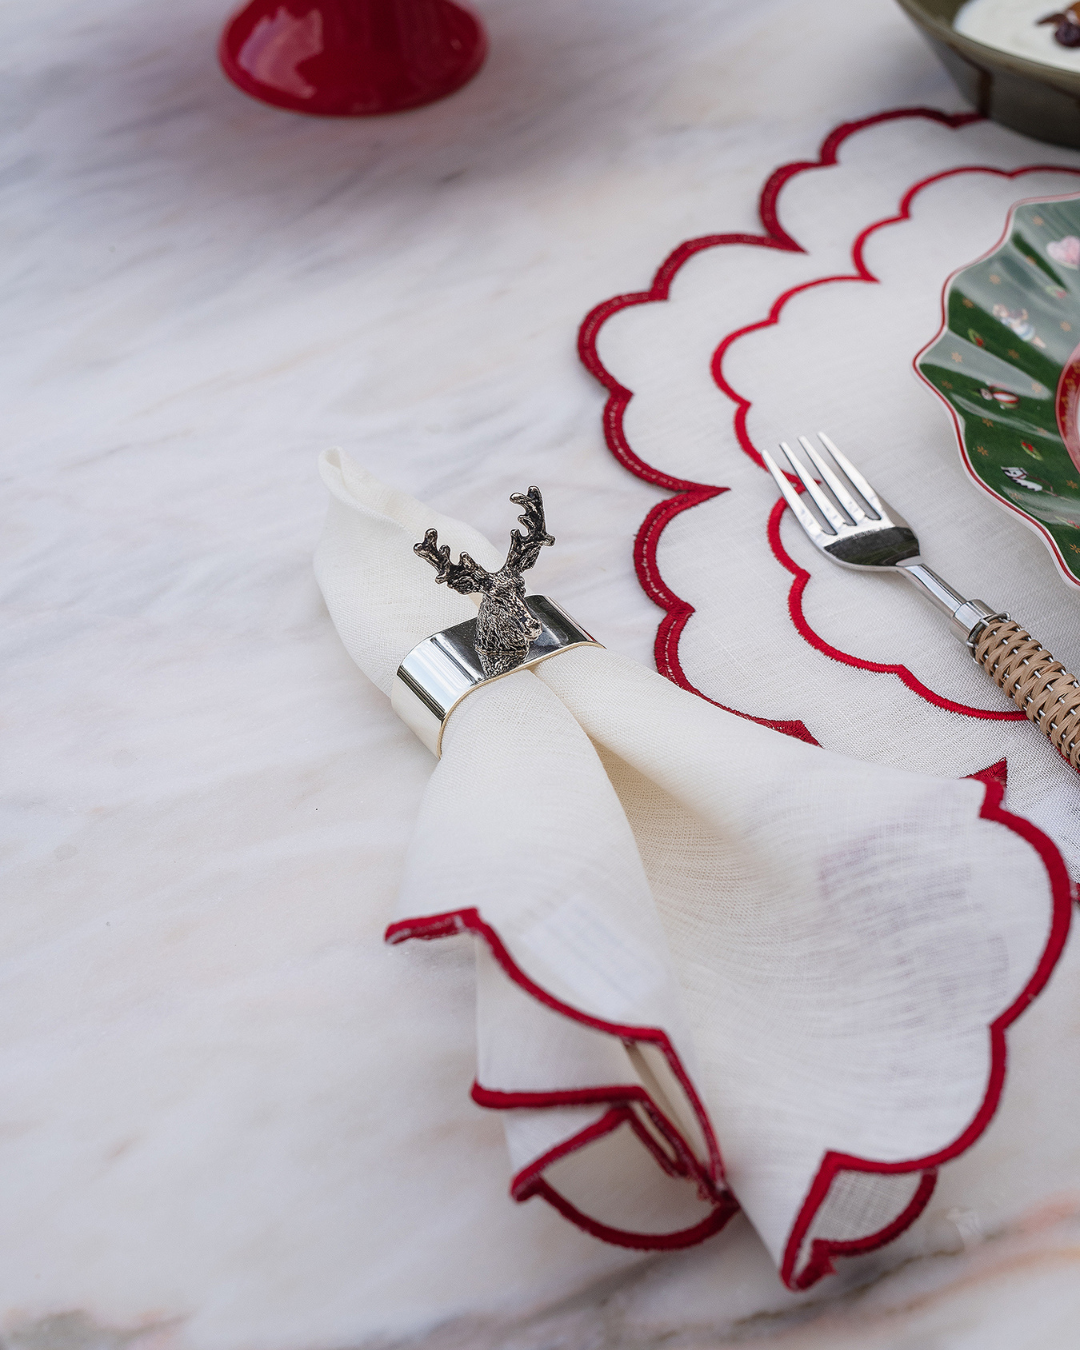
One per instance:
(1041, 687)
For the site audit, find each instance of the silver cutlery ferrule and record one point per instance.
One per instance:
(968, 616)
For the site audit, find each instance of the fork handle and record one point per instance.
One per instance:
(1041, 687)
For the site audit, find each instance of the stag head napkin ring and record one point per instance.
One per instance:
(511, 632)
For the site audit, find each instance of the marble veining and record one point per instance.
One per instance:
(229, 1117)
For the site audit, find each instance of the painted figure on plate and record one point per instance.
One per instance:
(1032, 482)
(995, 395)
(1018, 321)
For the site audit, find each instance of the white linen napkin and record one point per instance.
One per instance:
(716, 966)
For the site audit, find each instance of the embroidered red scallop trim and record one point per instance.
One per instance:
(530, 1182)
(679, 1163)
(623, 1097)
(678, 611)
(823, 1251)
(690, 494)
(861, 273)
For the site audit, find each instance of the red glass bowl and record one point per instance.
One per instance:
(351, 58)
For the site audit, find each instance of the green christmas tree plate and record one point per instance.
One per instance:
(1007, 364)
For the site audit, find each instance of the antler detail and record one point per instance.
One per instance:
(505, 625)
(464, 576)
(524, 551)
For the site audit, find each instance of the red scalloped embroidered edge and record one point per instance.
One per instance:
(798, 618)
(679, 1163)
(824, 1250)
(678, 611)
(528, 1182)
(531, 1181)
(802, 577)
(688, 493)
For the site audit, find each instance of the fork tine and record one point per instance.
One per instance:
(805, 517)
(855, 477)
(823, 504)
(836, 484)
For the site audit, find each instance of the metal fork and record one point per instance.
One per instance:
(854, 527)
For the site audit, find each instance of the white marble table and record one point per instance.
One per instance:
(229, 1117)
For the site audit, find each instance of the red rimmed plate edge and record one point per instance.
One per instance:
(1064, 571)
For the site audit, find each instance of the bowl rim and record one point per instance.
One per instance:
(1036, 526)
(1067, 81)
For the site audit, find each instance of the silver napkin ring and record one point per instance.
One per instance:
(446, 667)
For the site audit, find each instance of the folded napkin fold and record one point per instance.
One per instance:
(716, 966)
